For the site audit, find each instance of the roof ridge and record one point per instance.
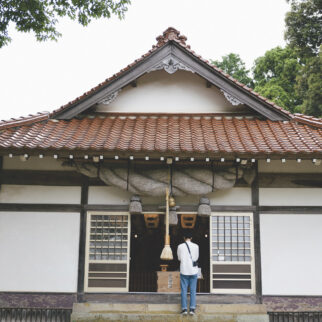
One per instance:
(307, 119)
(24, 120)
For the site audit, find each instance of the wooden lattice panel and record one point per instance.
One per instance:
(188, 220)
(151, 220)
(107, 253)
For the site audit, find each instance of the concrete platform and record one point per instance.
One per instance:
(100, 312)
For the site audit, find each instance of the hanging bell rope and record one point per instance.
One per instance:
(167, 252)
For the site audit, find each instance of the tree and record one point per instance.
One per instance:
(233, 65)
(304, 26)
(275, 76)
(304, 35)
(41, 16)
(309, 86)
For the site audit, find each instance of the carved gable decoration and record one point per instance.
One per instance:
(171, 53)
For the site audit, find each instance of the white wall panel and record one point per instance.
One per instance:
(160, 92)
(39, 194)
(291, 252)
(231, 197)
(107, 195)
(34, 163)
(290, 196)
(39, 251)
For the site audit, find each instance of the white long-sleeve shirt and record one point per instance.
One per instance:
(186, 267)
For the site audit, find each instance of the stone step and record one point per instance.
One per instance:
(99, 312)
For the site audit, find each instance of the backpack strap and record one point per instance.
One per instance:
(189, 250)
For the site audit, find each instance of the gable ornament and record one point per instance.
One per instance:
(110, 98)
(171, 65)
(231, 99)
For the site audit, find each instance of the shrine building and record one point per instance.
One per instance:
(92, 192)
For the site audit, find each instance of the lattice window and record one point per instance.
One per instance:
(231, 238)
(108, 237)
(232, 253)
(107, 253)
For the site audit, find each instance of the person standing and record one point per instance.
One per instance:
(188, 254)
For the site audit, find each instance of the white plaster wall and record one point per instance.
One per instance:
(39, 194)
(232, 197)
(290, 166)
(107, 195)
(39, 251)
(114, 196)
(33, 163)
(290, 196)
(160, 92)
(291, 254)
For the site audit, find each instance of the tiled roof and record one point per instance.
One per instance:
(171, 34)
(24, 120)
(169, 134)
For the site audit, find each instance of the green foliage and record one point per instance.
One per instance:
(233, 65)
(309, 86)
(291, 76)
(275, 77)
(304, 26)
(41, 16)
(304, 35)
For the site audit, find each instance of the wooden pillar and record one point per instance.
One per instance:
(1, 166)
(82, 241)
(257, 243)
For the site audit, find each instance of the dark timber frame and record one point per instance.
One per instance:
(188, 59)
(82, 243)
(73, 178)
(257, 241)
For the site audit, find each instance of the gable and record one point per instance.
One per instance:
(171, 54)
(180, 92)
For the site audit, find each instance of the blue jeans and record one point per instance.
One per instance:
(185, 281)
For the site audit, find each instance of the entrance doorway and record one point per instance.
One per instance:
(146, 247)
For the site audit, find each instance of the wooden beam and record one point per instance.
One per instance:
(46, 178)
(73, 178)
(290, 210)
(40, 207)
(157, 208)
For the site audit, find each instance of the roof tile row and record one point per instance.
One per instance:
(174, 134)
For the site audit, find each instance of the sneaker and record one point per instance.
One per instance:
(192, 312)
(184, 312)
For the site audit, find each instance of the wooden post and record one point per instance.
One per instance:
(257, 242)
(82, 241)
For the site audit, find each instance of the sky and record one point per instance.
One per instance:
(42, 76)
